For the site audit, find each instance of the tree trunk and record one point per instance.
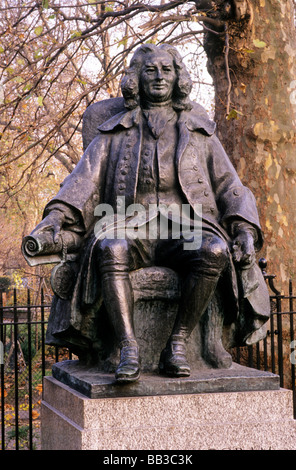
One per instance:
(259, 131)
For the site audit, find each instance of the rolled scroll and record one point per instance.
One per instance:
(41, 249)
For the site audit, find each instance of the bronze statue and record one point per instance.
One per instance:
(155, 149)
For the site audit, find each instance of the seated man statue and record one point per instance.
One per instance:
(159, 151)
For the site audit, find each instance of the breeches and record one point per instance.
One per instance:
(124, 255)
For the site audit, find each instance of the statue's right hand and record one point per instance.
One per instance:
(53, 222)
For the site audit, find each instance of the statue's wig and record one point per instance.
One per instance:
(130, 84)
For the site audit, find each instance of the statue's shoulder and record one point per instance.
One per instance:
(98, 113)
(197, 119)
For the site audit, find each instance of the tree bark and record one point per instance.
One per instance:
(259, 131)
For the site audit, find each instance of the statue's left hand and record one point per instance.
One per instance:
(243, 251)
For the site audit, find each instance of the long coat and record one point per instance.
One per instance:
(205, 176)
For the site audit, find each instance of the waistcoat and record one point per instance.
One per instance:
(157, 181)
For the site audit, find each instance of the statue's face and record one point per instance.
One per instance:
(158, 77)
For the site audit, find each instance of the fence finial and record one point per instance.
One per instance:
(268, 277)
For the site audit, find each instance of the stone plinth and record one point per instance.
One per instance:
(256, 419)
(92, 383)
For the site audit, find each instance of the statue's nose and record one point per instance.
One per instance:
(159, 74)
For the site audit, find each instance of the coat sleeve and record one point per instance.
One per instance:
(234, 200)
(81, 191)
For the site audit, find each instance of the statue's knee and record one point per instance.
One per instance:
(213, 256)
(112, 252)
(219, 252)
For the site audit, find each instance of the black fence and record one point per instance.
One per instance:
(277, 352)
(25, 359)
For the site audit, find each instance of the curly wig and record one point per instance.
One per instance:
(130, 83)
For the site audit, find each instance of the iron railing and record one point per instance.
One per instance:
(277, 352)
(25, 359)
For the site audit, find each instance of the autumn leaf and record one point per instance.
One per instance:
(243, 87)
(234, 114)
(24, 407)
(35, 414)
(75, 34)
(40, 100)
(39, 388)
(4, 394)
(19, 79)
(259, 44)
(38, 30)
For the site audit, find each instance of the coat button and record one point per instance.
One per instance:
(121, 186)
(200, 180)
(206, 193)
(236, 192)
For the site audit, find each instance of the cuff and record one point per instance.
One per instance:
(241, 226)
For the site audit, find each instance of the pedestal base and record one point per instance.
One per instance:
(256, 419)
(95, 384)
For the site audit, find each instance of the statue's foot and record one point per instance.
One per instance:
(217, 356)
(128, 369)
(173, 360)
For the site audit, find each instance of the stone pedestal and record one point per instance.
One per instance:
(174, 417)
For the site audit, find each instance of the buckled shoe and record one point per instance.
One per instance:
(128, 369)
(173, 359)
